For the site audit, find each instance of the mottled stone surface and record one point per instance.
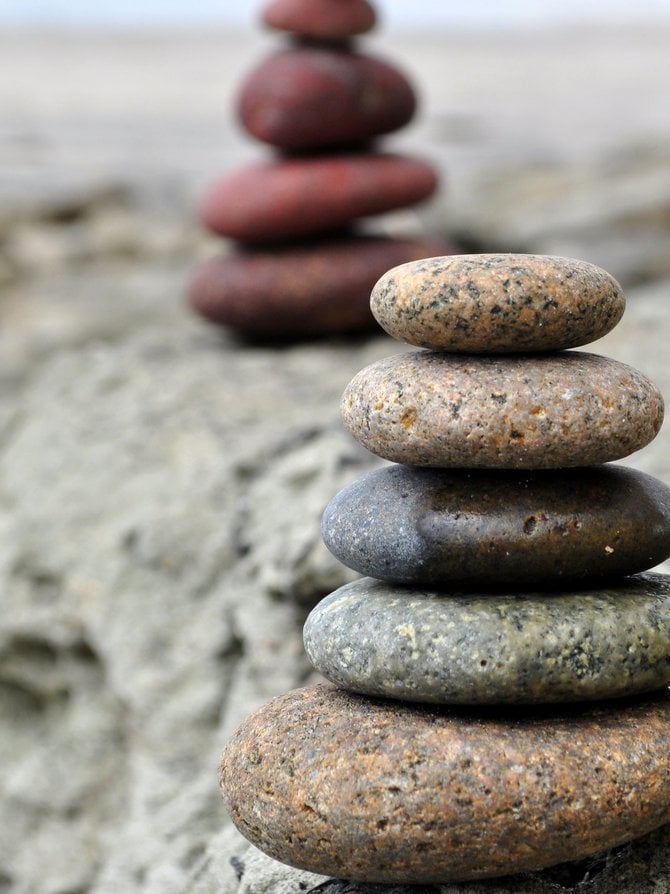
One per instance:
(494, 648)
(522, 412)
(316, 97)
(497, 303)
(492, 528)
(328, 19)
(305, 289)
(377, 791)
(302, 196)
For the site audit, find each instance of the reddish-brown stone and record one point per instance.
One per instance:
(376, 791)
(320, 19)
(303, 196)
(317, 97)
(299, 290)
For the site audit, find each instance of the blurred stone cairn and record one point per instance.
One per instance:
(500, 699)
(299, 267)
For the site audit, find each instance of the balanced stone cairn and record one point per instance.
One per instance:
(298, 268)
(500, 701)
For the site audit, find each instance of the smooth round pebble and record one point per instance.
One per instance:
(317, 97)
(438, 528)
(320, 19)
(379, 791)
(515, 412)
(303, 196)
(497, 303)
(300, 290)
(494, 648)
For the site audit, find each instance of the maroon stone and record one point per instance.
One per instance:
(321, 19)
(298, 197)
(316, 97)
(302, 290)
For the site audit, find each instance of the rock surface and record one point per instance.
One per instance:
(320, 19)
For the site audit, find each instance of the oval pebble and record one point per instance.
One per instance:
(348, 786)
(299, 197)
(435, 527)
(516, 412)
(497, 303)
(317, 97)
(320, 19)
(494, 648)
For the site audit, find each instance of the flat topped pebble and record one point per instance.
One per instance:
(378, 791)
(320, 19)
(494, 648)
(538, 411)
(497, 303)
(439, 528)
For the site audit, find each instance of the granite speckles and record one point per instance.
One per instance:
(482, 528)
(375, 791)
(494, 648)
(497, 303)
(539, 411)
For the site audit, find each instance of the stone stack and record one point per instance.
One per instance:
(298, 267)
(500, 701)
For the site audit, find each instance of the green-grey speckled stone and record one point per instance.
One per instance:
(527, 411)
(493, 303)
(436, 527)
(376, 639)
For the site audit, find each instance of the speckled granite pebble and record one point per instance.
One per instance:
(485, 648)
(369, 790)
(519, 412)
(497, 303)
(493, 528)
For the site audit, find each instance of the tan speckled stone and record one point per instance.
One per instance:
(375, 791)
(497, 303)
(524, 412)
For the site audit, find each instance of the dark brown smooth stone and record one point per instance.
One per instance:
(325, 19)
(497, 528)
(378, 791)
(301, 290)
(303, 196)
(318, 97)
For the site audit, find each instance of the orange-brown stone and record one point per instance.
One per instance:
(320, 19)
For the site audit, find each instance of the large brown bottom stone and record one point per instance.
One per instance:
(373, 791)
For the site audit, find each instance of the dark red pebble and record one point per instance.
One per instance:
(326, 19)
(302, 290)
(309, 98)
(299, 197)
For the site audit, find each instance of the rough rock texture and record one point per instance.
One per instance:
(428, 408)
(497, 303)
(377, 791)
(447, 647)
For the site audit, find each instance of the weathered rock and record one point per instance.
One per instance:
(480, 528)
(300, 289)
(375, 791)
(494, 648)
(324, 19)
(497, 303)
(519, 412)
(316, 97)
(303, 196)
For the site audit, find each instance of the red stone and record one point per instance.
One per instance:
(309, 98)
(321, 19)
(302, 290)
(302, 196)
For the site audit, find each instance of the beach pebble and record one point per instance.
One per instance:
(320, 19)
(371, 790)
(302, 196)
(437, 527)
(497, 303)
(485, 647)
(301, 289)
(310, 98)
(539, 411)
